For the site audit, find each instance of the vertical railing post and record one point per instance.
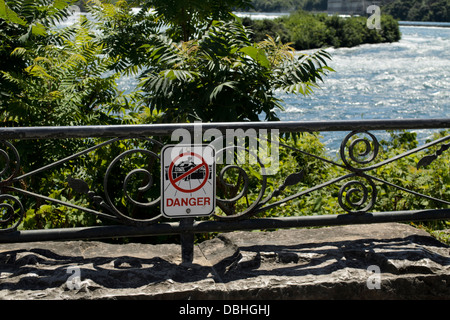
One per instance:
(187, 241)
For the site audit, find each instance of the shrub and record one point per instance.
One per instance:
(309, 31)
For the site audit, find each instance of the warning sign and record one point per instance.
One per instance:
(187, 180)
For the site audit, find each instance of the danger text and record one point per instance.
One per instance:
(181, 202)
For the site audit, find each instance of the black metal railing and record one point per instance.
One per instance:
(126, 195)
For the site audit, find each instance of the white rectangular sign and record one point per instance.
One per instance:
(188, 180)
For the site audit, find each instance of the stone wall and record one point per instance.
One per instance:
(382, 261)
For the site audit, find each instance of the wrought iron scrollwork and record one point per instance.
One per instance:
(11, 212)
(236, 191)
(11, 209)
(10, 162)
(356, 196)
(139, 198)
(359, 148)
(359, 151)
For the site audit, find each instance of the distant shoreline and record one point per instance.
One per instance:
(273, 15)
(424, 24)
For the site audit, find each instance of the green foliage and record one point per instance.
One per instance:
(418, 10)
(267, 27)
(308, 31)
(124, 33)
(315, 172)
(218, 75)
(288, 5)
(53, 76)
(432, 180)
(190, 18)
(223, 76)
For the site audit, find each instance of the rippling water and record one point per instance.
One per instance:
(403, 80)
(408, 79)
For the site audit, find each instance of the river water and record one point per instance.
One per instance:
(406, 79)
(409, 79)
(402, 80)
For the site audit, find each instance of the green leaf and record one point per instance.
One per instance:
(8, 15)
(38, 71)
(38, 29)
(220, 87)
(45, 208)
(258, 55)
(19, 51)
(60, 4)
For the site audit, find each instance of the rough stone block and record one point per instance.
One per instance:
(382, 261)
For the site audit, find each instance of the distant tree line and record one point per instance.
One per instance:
(288, 5)
(419, 10)
(307, 30)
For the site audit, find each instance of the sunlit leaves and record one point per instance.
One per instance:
(53, 75)
(223, 76)
(190, 19)
(259, 55)
(9, 15)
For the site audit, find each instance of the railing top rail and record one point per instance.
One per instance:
(62, 132)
